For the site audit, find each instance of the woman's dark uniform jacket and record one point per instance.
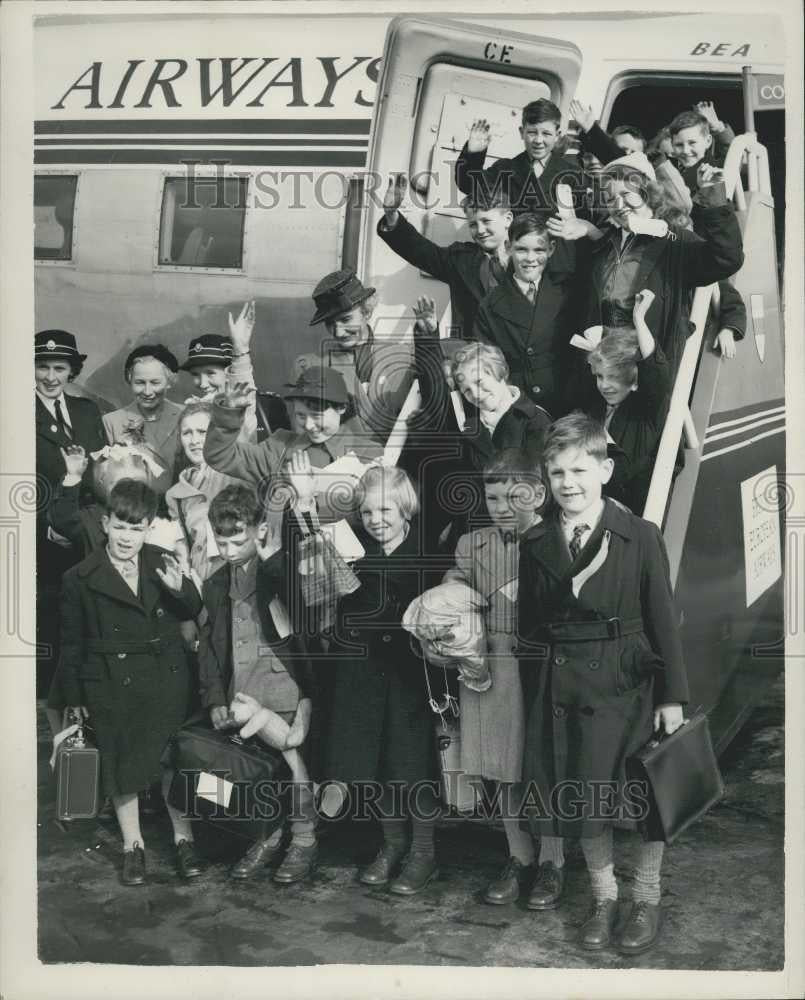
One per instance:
(52, 560)
(590, 701)
(122, 656)
(381, 727)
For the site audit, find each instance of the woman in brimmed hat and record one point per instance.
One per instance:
(150, 370)
(378, 373)
(61, 420)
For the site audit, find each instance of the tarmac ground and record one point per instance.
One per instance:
(723, 891)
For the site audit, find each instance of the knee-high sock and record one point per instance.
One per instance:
(646, 887)
(598, 855)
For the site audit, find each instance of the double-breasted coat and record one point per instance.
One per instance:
(534, 337)
(492, 722)
(381, 727)
(593, 667)
(122, 656)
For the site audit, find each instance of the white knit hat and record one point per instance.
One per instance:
(637, 161)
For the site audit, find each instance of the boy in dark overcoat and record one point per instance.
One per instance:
(531, 315)
(123, 663)
(470, 269)
(530, 178)
(601, 665)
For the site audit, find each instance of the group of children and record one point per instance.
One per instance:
(521, 474)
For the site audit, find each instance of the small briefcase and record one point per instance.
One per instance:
(78, 778)
(219, 776)
(682, 778)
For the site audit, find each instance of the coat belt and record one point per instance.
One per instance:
(588, 631)
(154, 646)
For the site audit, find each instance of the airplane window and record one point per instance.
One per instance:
(54, 204)
(202, 222)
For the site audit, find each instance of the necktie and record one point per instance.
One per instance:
(575, 544)
(531, 294)
(509, 537)
(61, 422)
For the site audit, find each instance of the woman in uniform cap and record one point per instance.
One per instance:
(150, 371)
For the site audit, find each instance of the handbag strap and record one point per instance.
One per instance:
(449, 703)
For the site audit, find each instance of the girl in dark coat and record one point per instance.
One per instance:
(630, 398)
(125, 666)
(381, 727)
(626, 259)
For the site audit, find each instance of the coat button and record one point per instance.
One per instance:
(126, 681)
(529, 350)
(559, 712)
(560, 661)
(535, 389)
(594, 664)
(174, 668)
(115, 628)
(160, 612)
(386, 637)
(121, 656)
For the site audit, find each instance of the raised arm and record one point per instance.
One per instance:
(403, 238)
(719, 252)
(225, 452)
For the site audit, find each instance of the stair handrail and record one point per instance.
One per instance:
(743, 148)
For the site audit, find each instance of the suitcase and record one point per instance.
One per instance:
(241, 784)
(681, 778)
(78, 778)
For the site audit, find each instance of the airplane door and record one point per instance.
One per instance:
(438, 76)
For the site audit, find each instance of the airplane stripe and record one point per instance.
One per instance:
(743, 444)
(752, 410)
(743, 420)
(736, 431)
(236, 157)
(226, 126)
(134, 141)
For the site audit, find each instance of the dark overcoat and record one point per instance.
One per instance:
(534, 337)
(122, 656)
(515, 176)
(671, 268)
(87, 431)
(636, 427)
(381, 727)
(53, 559)
(457, 265)
(590, 701)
